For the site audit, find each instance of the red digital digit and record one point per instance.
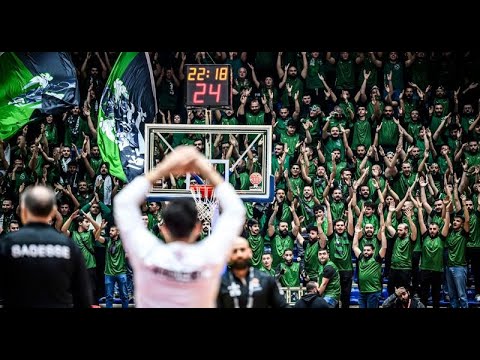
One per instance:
(216, 93)
(198, 93)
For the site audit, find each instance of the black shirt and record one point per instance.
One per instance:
(313, 301)
(265, 291)
(40, 267)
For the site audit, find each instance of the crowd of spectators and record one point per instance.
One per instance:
(375, 157)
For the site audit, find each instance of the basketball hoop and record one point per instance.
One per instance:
(205, 201)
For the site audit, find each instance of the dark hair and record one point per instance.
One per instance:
(371, 245)
(79, 220)
(311, 285)
(369, 204)
(180, 217)
(312, 227)
(39, 204)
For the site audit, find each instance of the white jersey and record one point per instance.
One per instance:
(176, 274)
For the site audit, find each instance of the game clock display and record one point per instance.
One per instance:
(208, 85)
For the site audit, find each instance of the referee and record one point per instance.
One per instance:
(40, 267)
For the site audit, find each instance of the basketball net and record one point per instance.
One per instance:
(205, 202)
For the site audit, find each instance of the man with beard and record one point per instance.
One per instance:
(311, 300)
(290, 82)
(330, 283)
(334, 139)
(431, 267)
(408, 103)
(340, 247)
(83, 195)
(467, 117)
(403, 242)
(388, 131)
(75, 128)
(314, 118)
(243, 286)
(255, 242)
(206, 226)
(307, 203)
(404, 180)
(311, 246)
(71, 177)
(336, 159)
(288, 272)
(320, 181)
(457, 263)
(115, 266)
(436, 114)
(369, 268)
(437, 213)
(255, 116)
(7, 214)
(285, 118)
(226, 117)
(401, 299)
(470, 150)
(370, 223)
(280, 161)
(281, 238)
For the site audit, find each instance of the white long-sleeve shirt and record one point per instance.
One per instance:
(177, 274)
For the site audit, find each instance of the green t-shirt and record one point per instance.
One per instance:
(333, 286)
(115, 263)
(256, 244)
(432, 252)
(340, 247)
(362, 133)
(402, 253)
(51, 134)
(337, 209)
(345, 73)
(311, 259)
(474, 239)
(316, 66)
(370, 274)
(279, 245)
(291, 276)
(270, 272)
(456, 243)
(84, 240)
(388, 135)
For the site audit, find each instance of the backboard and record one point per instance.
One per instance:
(240, 153)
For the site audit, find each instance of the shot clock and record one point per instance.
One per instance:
(208, 85)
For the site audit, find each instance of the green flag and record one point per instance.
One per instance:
(128, 102)
(32, 84)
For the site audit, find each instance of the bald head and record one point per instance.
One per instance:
(241, 254)
(39, 201)
(240, 242)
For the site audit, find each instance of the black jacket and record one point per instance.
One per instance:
(311, 301)
(39, 267)
(266, 292)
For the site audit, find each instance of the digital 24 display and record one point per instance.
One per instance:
(208, 85)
